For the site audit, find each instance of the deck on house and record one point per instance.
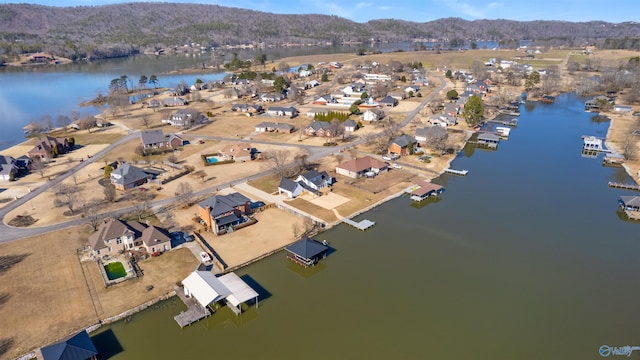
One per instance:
(617, 185)
(362, 225)
(194, 311)
(456, 172)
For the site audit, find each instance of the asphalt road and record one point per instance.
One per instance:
(9, 233)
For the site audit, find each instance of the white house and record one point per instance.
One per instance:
(290, 188)
(372, 115)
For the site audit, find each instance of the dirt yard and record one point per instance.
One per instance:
(75, 294)
(620, 130)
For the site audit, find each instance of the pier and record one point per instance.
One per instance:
(456, 172)
(617, 185)
(362, 225)
(633, 215)
(194, 312)
(513, 122)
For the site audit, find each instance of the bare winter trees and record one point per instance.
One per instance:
(184, 193)
(279, 161)
(66, 195)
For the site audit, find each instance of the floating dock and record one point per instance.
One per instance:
(362, 225)
(194, 312)
(633, 215)
(456, 172)
(617, 185)
(513, 122)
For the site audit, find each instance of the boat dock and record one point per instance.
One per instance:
(633, 215)
(194, 312)
(362, 225)
(617, 185)
(513, 122)
(456, 172)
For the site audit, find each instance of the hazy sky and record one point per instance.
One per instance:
(419, 10)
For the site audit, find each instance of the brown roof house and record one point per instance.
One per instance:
(48, 147)
(222, 212)
(238, 152)
(358, 167)
(116, 236)
(156, 139)
(127, 176)
(402, 145)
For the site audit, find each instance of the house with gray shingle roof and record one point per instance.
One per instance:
(278, 127)
(315, 180)
(8, 168)
(350, 125)
(318, 128)
(222, 212)
(388, 101)
(127, 176)
(402, 145)
(290, 188)
(430, 134)
(115, 236)
(156, 139)
(76, 347)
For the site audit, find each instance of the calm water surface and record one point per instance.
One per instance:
(525, 258)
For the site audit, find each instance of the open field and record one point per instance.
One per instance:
(75, 294)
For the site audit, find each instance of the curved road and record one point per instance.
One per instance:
(9, 233)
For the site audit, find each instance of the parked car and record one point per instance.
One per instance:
(396, 166)
(386, 157)
(204, 256)
(187, 237)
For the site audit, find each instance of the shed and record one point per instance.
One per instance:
(306, 252)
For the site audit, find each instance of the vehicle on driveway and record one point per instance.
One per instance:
(396, 166)
(204, 256)
(187, 237)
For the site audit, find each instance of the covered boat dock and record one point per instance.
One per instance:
(306, 252)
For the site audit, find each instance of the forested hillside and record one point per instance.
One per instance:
(111, 30)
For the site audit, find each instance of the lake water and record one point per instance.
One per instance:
(524, 258)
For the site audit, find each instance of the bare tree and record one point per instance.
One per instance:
(301, 162)
(145, 120)
(63, 122)
(38, 165)
(200, 174)
(172, 158)
(109, 192)
(69, 195)
(139, 202)
(87, 122)
(279, 160)
(74, 174)
(47, 123)
(335, 128)
(185, 193)
(92, 215)
(629, 147)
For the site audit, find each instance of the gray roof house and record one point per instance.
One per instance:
(117, 235)
(430, 134)
(314, 180)
(8, 167)
(350, 125)
(184, 118)
(76, 347)
(388, 101)
(278, 127)
(290, 188)
(282, 111)
(127, 176)
(222, 212)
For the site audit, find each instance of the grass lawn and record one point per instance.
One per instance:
(268, 184)
(318, 211)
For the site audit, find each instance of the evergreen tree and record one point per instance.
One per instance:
(473, 110)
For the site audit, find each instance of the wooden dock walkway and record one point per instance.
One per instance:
(617, 185)
(633, 215)
(194, 311)
(456, 172)
(362, 225)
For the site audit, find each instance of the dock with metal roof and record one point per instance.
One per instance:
(194, 312)
(361, 225)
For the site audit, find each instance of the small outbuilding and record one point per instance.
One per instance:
(76, 347)
(306, 252)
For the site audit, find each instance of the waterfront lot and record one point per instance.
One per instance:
(48, 293)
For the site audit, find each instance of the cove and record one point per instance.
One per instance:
(524, 258)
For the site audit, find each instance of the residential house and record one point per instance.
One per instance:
(127, 176)
(175, 101)
(314, 180)
(350, 125)
(116, 236)
(184, 118)
(412, 88)
(319, 128)
(156, 139)
(282, 111)
(358, 167)
(402, 145)
(274, 127)
(8, 167)
(622, 108)
(372, 115)
(451, 109)
(324, 100)
(247, 108)
(290, 188)
(76, 347)
(398, 95)
(443, 120)
(154, 103)
(272, 97)
(311, 84)
(238, 152)
(376, 77)
(221, 212)
(388, 101)
(49, 147)
(317, 111)
(430, 135)
(420, 81)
